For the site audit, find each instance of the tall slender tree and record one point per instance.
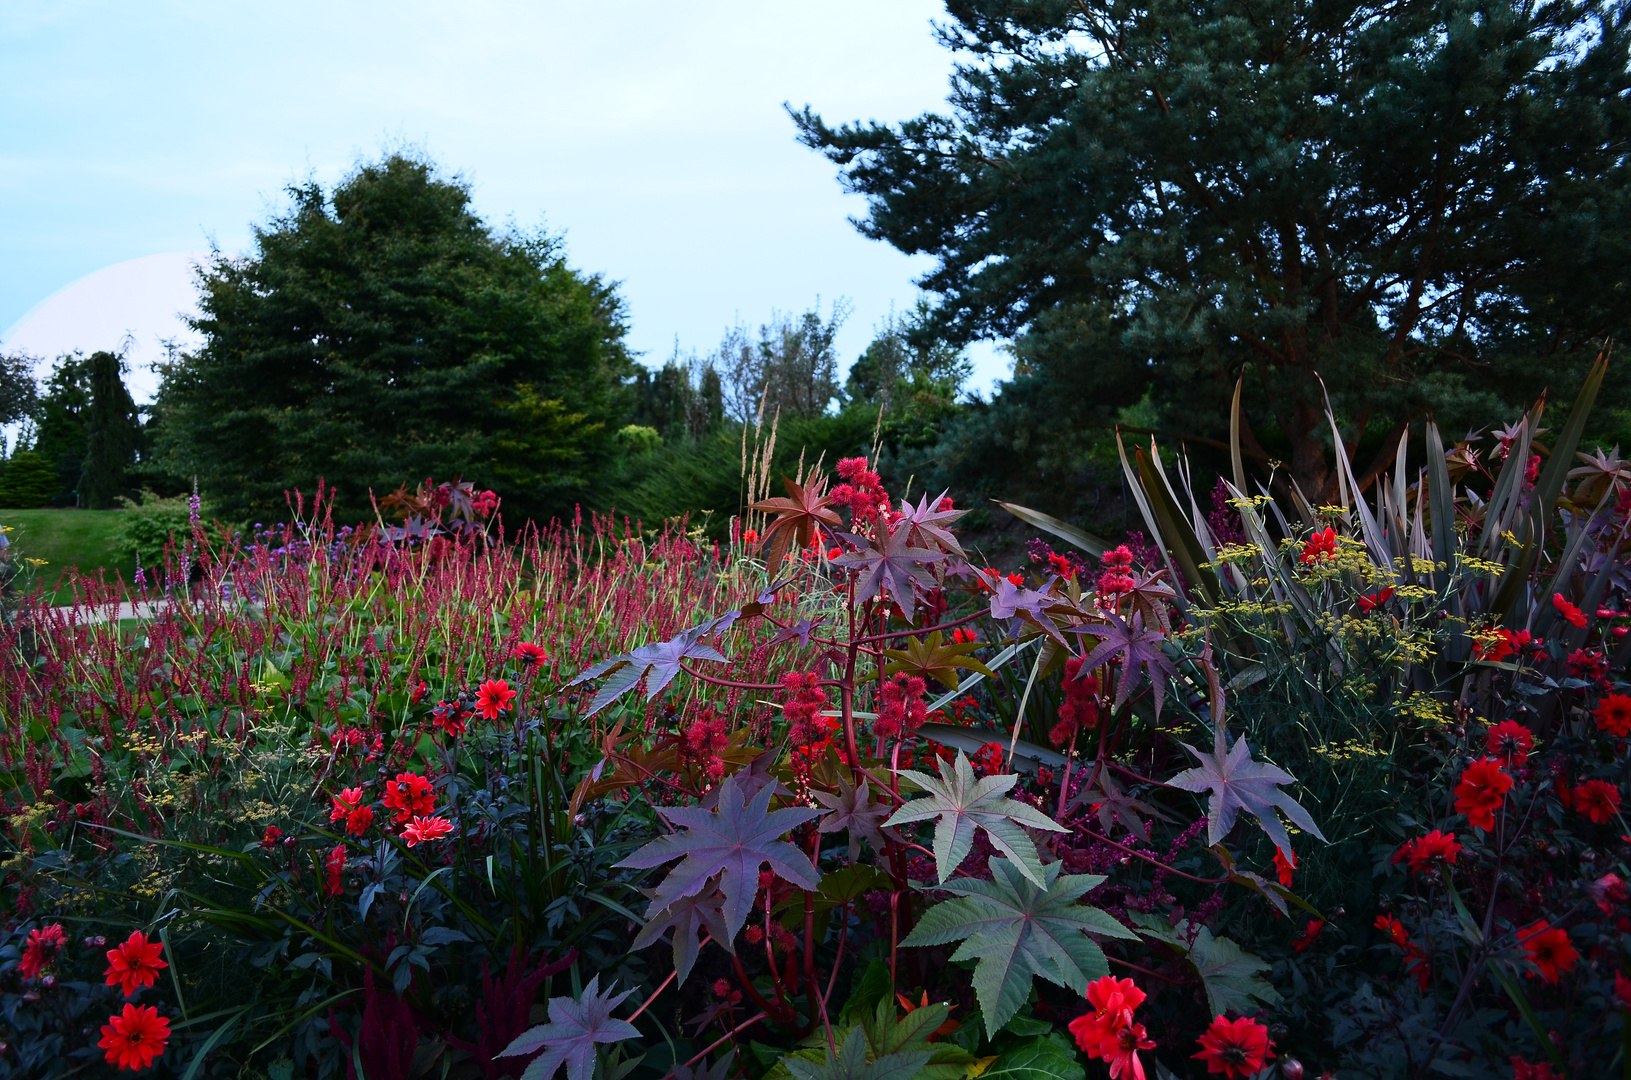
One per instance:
(113, 432)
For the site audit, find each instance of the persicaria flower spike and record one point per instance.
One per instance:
(134, 964)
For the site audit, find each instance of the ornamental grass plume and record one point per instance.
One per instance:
(135, 1037)
(1480, 792)
(135, 963)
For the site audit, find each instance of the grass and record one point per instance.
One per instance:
(68, 538)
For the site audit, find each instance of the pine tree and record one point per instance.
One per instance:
(1419, 207)
(112, 433)
(28, 481)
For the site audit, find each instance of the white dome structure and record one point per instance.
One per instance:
(139, 304)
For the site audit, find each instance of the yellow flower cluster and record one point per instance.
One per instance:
(1346, 749)
(1479, 566)
(1425, 707)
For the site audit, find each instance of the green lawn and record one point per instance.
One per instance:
(68, 538)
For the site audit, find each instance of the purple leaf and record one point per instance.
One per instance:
(658, 662)
(853, 810)
(1140, 653)
(686, 917)
(731, 841)
(573, 1030)
(898, 566)
(1239, 783)
(927, 523)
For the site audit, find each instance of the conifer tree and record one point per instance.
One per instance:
(112, 433)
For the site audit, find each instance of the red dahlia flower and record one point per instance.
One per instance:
(135, 963)
(1598, 800)
(1522, 1070)
(41, 949)
(493, 698)
(1549, 949)
(1511, 742)
(1235, 1048)
(333, 867)
(1308, 934)
(426, 828)
(1482, 788)
(409, 794)
(349, 806)
(535, 655)
(1283, 866)
(1614, 714)
(1322, 545)
(135, 1037)
(1425, 852)
(1571, 614)
(1374, 601)
(1108, 1032)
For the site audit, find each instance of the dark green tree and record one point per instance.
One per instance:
(18, 394)
(1422, 204)
(113, 431)
(909, 374)
(29, 480)
(683, 398)
(383, 332)
(62, 433)
(792, 370)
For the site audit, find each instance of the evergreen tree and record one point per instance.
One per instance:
(29, 480)
(383, 332)
(1421, 205)
(18, 394)
(112, 433)
(62, 435)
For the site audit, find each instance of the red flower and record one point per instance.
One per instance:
(1016, 578)
(1479, 794)
(1608, 892)
(1415, 961)
(750, 536)
(1522, 1070)
(535, 654)
(1108, 1032)
(42, 948)
(1322, 545)
(1549, 949)
(1586, 664)
(1235, 1047)
(333, 866)
(409, 794)
(1614, 714)
(1375, 600)
(1284, 866)
(135, 1037)
(1393, 928)
(1306, 938)
(450, 717)
(963, 635)
(135, 963)
(1425, 852)
(493, 698)
(1572, 614)
(1511, 742)
(1598, 800)
(426, 828)
(348, 805)
(270, 837)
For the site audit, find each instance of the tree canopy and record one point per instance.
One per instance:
(1421, 205)
(384, 332)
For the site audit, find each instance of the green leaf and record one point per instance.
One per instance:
(1070, 534)
(963, 804)
(932, 658)
(1229, 974)
(851, 1063)
(1047, 1058)
(1016, 930)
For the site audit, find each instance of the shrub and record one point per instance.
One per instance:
(151, 525)
(28, 481)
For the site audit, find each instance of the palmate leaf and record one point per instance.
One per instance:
(1017, 929)
(687, 917)
(573, 1030)
(1139, 650)
(732, 841)
(1049, 1057)
(1011, 602)
(928, 523)
(853, 810)
(897, 566)
(659, 660)
(932, 657)
(850, 1063)
(1239, 783)
(964, 804)
(805, 509)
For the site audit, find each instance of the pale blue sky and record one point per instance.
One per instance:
(652, 134)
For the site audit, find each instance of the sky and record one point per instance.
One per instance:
(652, 135)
